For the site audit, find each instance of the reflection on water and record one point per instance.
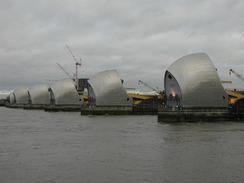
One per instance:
(36, 146)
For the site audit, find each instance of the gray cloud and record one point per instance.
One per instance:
(140, 38)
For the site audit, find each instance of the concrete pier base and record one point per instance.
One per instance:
(16, 105)
(62, 108)
(50, 108)
(106, 110)
(195, 115)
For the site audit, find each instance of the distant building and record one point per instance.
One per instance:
(192, 81)
(12, 98)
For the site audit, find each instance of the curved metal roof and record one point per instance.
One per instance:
(40, 95)
(65, 93)
(108, 89)
(194, 78)
(22, 96)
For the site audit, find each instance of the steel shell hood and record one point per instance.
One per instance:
(194, 79)
(22, 96)
(65, 93)
(40, 95)
(109, 90)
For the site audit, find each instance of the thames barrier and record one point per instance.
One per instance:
(192, 92)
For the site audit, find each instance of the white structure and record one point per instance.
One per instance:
(40, 95)
(63, 92)
(4, 95)
(106, 89)
(22, 96)
(192, 81)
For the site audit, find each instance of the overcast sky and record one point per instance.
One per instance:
(139, 38)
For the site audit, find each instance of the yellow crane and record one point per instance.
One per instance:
(234, 96)
(226, 82)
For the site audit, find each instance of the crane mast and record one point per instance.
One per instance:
(237, 74)
(77, 65)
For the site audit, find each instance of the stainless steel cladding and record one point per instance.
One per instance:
(192, 81)
(39, 94)
(65, 93)
(22, 96)
(108, 89)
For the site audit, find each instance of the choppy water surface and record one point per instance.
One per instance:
(37, 146)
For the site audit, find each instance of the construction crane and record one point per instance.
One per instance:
(62, 68)
(237, 74)
(226, 82)
(148, 86)
(77, 65)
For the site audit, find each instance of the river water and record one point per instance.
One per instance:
(40, 147)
